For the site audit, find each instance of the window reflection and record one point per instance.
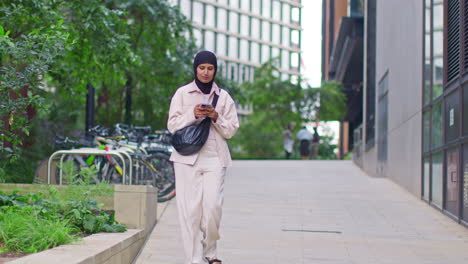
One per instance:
(437, 171)
(426, 131)
(438, 77)
(426, 178)
(465, 183)
(437, 136)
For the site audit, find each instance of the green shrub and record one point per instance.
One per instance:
(21, 229)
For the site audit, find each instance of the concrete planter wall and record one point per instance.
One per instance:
(135, 206)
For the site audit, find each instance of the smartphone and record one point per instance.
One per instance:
(206, 105)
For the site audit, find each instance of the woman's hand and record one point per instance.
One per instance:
(211, 113)
(199, 111)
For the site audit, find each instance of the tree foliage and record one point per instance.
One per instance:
(134, 52)
(277, 103)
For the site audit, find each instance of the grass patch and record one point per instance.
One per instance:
(23, 230)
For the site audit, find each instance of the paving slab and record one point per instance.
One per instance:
(317, 212)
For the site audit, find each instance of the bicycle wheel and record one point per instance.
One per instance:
(165, 176)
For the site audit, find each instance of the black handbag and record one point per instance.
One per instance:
(190, 139)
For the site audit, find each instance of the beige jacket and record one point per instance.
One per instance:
(181, 115)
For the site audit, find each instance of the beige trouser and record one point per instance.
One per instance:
(199, 189)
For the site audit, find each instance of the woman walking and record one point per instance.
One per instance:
(200, 177)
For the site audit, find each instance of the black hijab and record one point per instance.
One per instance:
(205, 57)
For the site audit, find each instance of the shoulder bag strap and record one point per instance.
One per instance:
(215, 99)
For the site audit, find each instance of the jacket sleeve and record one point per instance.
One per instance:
(178, 118)
(227, 122)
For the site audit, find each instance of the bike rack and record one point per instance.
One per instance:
(88, 151)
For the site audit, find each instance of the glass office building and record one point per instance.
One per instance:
(246, 33)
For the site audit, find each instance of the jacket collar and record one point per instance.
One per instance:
(194, 88)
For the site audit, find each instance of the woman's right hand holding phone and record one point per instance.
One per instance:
(200, 111)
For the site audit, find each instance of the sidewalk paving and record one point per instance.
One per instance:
(317, 212)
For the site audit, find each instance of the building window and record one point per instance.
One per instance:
(255, 28)
(295, 60)
(234, 3)
(437, 131)
(222, 19)
(233, 22)
(285, 60)
(295, 37)
(245, 5)
(266, 8)
(233, 47)
(437, 172)
(221, 44)
(426, 178)
(451, 181)
(295, 14)
(256, 7)
(276, 10)
(198, 37)
(286, 13)
(197, 13)
(266, 31)
(245, 25)
(210, 15)
(276, 34)
(244, 50)
(286, 36)
(209, 41)
(426, 131)
(255, 52)
(265, 53)
(185, 7)
(452, 117)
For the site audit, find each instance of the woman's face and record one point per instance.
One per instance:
(205, 72)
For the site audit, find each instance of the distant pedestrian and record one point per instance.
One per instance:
(200, 176)
(288, 141)
(304, 137)
(314, 146)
